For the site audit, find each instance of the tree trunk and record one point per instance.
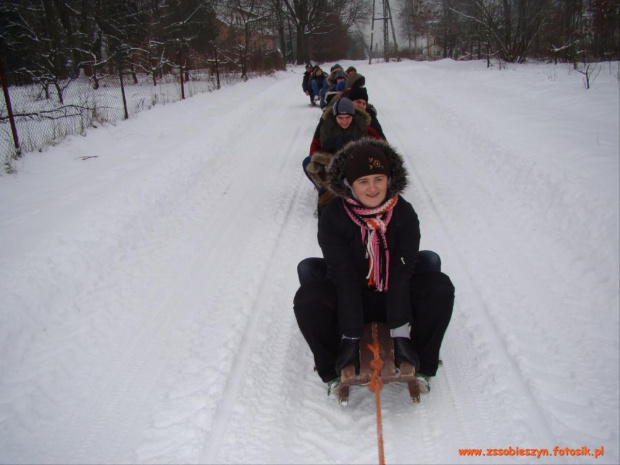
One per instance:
(303, 53)
(507, 30)
(59, 92)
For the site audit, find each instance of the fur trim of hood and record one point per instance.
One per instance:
(355, 79)
(335, 171)
(331, 79)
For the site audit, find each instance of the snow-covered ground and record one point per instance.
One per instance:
(147, 273)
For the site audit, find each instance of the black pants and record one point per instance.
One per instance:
(432, 300)
(310, 269)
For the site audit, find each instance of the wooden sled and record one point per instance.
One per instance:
(406, 374)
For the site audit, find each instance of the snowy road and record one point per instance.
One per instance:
(147, 293)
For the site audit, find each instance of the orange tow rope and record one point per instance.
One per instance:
(375, 385)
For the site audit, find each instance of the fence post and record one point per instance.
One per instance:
(181, 74)
(217, 69)
(120, 76)
(7, 99)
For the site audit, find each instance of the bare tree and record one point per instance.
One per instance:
(37, 31)
(311, 18)
(511, 25)
(590, 72)
(247, 23)
(304, 15)
(447, 28)
(514, 24)
(564, 31)
(278, 22)
(186, 25)
(605, 29)
(414, 17)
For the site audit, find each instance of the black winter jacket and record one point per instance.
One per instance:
(344, 252)
(374, 121)
(305, 82)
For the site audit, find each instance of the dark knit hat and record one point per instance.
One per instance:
(358, 93)
(343, 106)
(365, 160)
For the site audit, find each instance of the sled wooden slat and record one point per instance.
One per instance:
(388, 372)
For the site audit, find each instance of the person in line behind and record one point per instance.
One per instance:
(359, 97)
(306, 84)
(330, 82)
(341, 123)
(317, 82)
(354, 79)
(334, 91)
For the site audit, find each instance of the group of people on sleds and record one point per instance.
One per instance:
(372, 269)
(318, 85)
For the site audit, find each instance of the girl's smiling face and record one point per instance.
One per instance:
(371, 190)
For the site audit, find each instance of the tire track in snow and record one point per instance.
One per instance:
(224, 294)
(279, 377)
(286, 197)
(523, 404)
(248, 342)
(139, 358)
(456, 417)
(503, 361)
(148, 349)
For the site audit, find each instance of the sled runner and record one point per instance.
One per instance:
(389, 373)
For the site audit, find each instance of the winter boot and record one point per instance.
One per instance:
(349, 353)
(404, 352)
(333, 388)
(424, 382)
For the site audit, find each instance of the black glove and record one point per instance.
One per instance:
(404, 352)
(348, 354)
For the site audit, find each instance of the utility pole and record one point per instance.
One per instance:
(372, 33)
(389, 10)
(386, 31)
(387, 21)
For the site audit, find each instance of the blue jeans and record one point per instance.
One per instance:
(315, 87)
(313, 268)
(304, 165)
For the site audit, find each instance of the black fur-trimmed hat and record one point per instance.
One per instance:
(365, 160)
(336, 170)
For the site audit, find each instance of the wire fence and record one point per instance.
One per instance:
(36, 116)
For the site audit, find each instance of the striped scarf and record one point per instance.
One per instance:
(373, 224)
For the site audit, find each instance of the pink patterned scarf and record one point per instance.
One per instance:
(373, 223)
